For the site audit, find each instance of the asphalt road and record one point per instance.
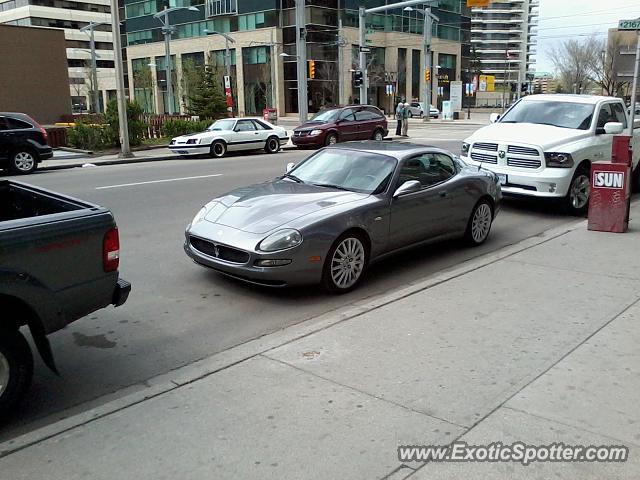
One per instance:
(179, 312)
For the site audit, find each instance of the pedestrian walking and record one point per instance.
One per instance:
(399, 118)
(405, 120)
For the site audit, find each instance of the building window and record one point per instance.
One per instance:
(221, 7)
(402, 73)
(251, 21)
(256, 63)
(447, 61)
(76, 80)
(143, 83)
(79, 104)
(415, 73)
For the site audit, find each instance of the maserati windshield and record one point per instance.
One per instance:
(344, 169)
(559, 114)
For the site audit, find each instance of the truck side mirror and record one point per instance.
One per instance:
(613, 128)
(494, 117)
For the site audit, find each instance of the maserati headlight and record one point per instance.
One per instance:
(315, 133)
(199, 216)
(281, 240)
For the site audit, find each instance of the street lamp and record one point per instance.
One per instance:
(167, 30)
(227, 58)
(89, 29)
(426, 42)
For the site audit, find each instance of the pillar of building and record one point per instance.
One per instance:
(239, 86)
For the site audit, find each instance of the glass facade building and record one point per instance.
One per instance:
(264, 52)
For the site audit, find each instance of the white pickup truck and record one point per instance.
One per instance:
(543, 145)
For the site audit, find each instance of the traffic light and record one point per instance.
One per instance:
(514, 86)
(427, 74)
(524, 87)
(357, 78)
(312, 69)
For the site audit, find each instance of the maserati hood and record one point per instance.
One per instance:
(263, 207)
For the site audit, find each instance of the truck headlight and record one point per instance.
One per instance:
(465, 148)
(280, 240)
(558, 160)
(315, 133)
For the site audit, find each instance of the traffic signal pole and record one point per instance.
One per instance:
(362, 16)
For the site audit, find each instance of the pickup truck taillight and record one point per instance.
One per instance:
(111, 250)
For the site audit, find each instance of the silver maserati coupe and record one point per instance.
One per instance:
(329, 217)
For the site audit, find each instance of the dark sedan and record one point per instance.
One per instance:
(23, 143)
(354, 122)
(342, 208)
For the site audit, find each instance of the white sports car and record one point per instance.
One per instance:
(230, 134)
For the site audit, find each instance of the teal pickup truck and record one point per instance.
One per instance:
(59, 260)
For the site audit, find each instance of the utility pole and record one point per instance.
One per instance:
(301, 51)
(125, 149)
(167, 30)
(340, 64)
(90, 29)
(428, 18)
(364, 86)
(362, 16)
(634, 88)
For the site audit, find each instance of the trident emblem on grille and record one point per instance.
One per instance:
(216, 251)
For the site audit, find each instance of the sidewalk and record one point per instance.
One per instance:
(537, 343)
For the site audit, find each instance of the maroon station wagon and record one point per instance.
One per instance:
(343, 124)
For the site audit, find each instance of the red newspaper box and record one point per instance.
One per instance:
(609, 198)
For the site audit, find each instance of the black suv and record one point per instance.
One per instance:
(23, 143)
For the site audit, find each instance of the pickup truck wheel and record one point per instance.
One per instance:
(16, 369)
(635, 177)
(23, 162)
(577, 199)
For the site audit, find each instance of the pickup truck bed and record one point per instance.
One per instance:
(58, 262)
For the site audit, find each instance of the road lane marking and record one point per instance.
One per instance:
(158, 181)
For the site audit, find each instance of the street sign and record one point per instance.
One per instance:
(365, 49)
(455, 95)
(629, 24)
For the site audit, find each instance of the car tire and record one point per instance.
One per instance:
(345, 263)
(635, 178)
(479, 224)
(576, 202)
(410, 115)
(218, 149)
(272, 145)
(332, 139)
(16, 369)
(378, 135)
(23, 161)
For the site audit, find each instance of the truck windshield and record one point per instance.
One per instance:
(559, 114)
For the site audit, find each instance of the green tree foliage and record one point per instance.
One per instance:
(134, 119)
(208, 100)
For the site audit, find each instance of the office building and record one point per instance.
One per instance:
(504, 37)
(71, 16)
(263, 52)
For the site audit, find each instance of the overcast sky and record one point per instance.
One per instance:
(563, 19)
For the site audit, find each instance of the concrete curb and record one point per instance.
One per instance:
(122, 161)
(200, 369)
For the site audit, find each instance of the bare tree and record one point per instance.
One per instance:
(573, 60)
(604, 67)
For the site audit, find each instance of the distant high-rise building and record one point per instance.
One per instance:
(544, 82)
(71, 17)
(504, 38)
